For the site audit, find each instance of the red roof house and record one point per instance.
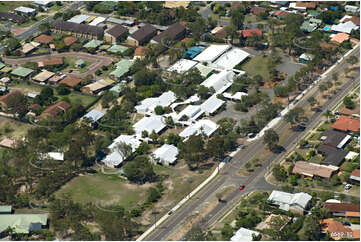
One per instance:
(44, 39)
(55, 109)
(346, 123)
(250, 32)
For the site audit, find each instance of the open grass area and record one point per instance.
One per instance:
(30, 22)
(104, 189)
(71, 65)
(10, 5)
(257, 66)
(13, 129)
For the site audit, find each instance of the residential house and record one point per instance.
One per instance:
(92, 117)
(122, 67)
(140, 52)
(68, 41)
(353, 19)
(350, 112)
(258, 11)
(71, 81)
(25, 11)
(7, 143)
(343, 209)
(244, 234)
(335, 138)
(51, 62)
(308, 27)
(182, 66)
(346, 27)
(7, 98)
(46, 4)
(93, 44)
(27, 48)
(22, 72)
(303, 6)
(305, 58)
(352, 9)
(295, 203)
(219, 82)
(148, 105)
(333, 156)
(98, 86)
(77, 30)
(43, 76)
(211, 105)
(149, 124)
(174, 32)
(142, 35)
(44, 39)
(337, 230)
(55, 110)
(166, 154)
(281, 14)
(250, 32)
(115, 34)
(212, 52)
(12, 17)
(355, 175)
(347, 124)
(339, 38)
(118, 49)
(23, 223)
(306, 169)
(204, 127)
(176, 4)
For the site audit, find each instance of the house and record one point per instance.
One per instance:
(250, 32)
(339, 38)
(149, 124)
(46, 4)
(305, 58)
(335, 138)
(334, 156)
(68, 41)
(78, 19)
(25, 11)
(29, 47)
(267, 223)
(166, 154)
(58, 156)
(97, 21)
(94, 44)
(350, 112)
(12, 17)
(303, 6)
(191, 112)
(149, 104)
(55, 109)
(230, 59)
(211, 53)
(281, 14)
(22, 72)
(43, 76)
(118, 49)
(140, 52)
(44, 39)
(202, 127)
(142, 35)
(182, 66)
(337, 230)
(126, 22)
(347, 124)
(353, 19)
(237, 96)
(306, 169)
(55, 79)
(355, 175)
(117, 89)
(77, 30)
(176, 4)
(116, 155)
(295, 203)
(98, 86)
(4, 100)
(71, 81)
(93, 116)
(352, 9)
(244, 234)
(51, 62)
(211, 105)
(115, 34)
(258, 11)
(7, 143)
(23, 223)
(174, 32)
(122, 67)
(346, 27)
(220, 82)
(343, 209)
(5, 209)
(308, 27)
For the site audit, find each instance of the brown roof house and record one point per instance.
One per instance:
(55, 109)
(140, 52)
(51, 62)
(71, 81)
(346, 123)
(115, 34)
(306, 169)
(343, 209)
(337, 230)
(174, 32)
(142, 35)
(68, 41)
(44, 39)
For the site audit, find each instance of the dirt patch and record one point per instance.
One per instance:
(282, 100)
(269, 84)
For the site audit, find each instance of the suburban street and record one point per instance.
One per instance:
(256, 181)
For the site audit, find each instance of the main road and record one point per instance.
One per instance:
(256, 181)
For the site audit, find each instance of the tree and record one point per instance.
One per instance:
(195, 234)
(16, 104)
(294, 115)
(342, 197)
(322, 88)
(312, 101)
(198, 27)
(124, 149)
(349, 103)
(237, 17)
(227, 232)
(279, 173)
(271, 139)
(154, 136)
(328, 114)
(159, 110)
(352, 60)
(311, 228)
(140, 170)
(193, 151)
(62, 89)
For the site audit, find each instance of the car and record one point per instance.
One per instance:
(227, 159)
(346, 223)
(251, 135)
(348, 186)
(241, 187)
(170, 212)
(70, 71)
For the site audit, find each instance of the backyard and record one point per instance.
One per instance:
(10, 5)
(71, 65)
(12, 129)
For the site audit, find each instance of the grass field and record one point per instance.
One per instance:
(12, 129)
(74, 97)
(257, 66)
(71, 62)
(6, 6)
(105, 189)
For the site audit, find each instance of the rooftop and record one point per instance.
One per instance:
(219, 82)
(93, 116)
(117, 48)
(93, 44)
(333, 155)
(312, 169)
(346, 123)
(167, 154)
(44, 39)
(43, 76)
(182, 66)
(211, 53)
(153, 123)
(71, 81)
(22, 71)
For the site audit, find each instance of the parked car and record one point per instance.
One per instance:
(227, 159)
(242, 186)
(346, 223)
(251, 135)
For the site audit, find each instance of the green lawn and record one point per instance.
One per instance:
(30, 22)
(13, 129)
(71, 65)
(257, 66)
(6, 6)
(107, 190)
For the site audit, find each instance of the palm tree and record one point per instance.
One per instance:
(327, 114)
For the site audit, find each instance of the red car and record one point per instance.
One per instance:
(241, 187)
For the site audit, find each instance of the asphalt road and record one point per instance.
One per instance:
(254, 182)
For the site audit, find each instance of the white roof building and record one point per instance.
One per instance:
(43, 3)
(307, 57)
(231, 58)
(149, 124)
(78, 19)
(351, 155)
(116, 156)
(25, 10)
(219, 82)
(294, 6)
(148, 105)
(59, 156)
(297, 201)
(236, 96)
(97, 21)
(191, 111)
(211, 53)
(167, 154)
(182, 66)
(204, 70)
(93, 116)
(244, 235)
(204, 126)
(212, 104)
(350, 8)
(345, 27)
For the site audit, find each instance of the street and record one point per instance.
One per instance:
(256, 181)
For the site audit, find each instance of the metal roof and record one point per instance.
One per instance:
(94, 115)
(167, 154)
(149, 124)
(78, 19)
(22, 223)
(212, 104)
(182, 66)
(22, 71)
(219, 82)
(149, 104)
(211, 53)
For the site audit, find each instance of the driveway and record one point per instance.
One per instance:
(288, 65)
(231, 113)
